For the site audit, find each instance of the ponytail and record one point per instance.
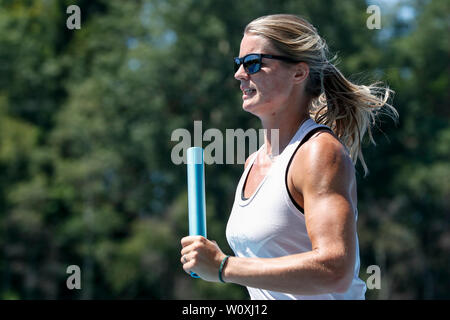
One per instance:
(349, 109)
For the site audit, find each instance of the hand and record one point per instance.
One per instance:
(201, 256)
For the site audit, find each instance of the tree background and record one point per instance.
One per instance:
(86, 118)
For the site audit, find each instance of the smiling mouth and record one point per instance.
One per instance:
(248, 92)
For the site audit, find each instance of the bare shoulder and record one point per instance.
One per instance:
(322, 163)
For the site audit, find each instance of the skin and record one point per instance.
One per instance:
(321, 179)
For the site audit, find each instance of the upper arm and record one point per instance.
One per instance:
(324, 174)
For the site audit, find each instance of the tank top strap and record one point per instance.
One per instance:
(303, 133)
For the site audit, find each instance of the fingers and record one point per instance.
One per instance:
(192, 243)
(190, 239)
(187, 267)
(190, 257)
(189, 248)
(188, 261)
(192, 246)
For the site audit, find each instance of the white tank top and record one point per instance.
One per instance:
(270, 224)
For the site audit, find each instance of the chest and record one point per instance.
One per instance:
(263, 221)
(256, 175)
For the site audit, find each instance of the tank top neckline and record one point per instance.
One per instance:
(244, 201)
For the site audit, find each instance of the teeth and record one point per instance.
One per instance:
(248, 91)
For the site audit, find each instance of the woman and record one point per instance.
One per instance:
(293, 223)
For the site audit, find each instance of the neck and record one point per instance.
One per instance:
(286, 125)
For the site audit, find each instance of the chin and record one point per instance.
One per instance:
(254, 103)
(253, 108)
(249, 107)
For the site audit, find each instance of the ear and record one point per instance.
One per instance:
(301, 72)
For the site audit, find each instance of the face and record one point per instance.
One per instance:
(270, 89)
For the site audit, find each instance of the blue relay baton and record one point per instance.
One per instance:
(196, 194)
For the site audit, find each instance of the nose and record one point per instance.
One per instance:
(241, 74)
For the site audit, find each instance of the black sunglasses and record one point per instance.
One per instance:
(252, 61)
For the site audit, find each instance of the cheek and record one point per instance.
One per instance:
(272, 91)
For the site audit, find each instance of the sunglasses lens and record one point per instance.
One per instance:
(252, 64)
(237, 64)
(253, 67)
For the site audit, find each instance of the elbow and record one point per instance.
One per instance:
(340, 274)
(342, 281)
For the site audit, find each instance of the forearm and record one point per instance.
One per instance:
(304, 274)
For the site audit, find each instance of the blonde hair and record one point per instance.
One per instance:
(347, 108)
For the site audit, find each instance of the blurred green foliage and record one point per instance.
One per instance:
(86, 118)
